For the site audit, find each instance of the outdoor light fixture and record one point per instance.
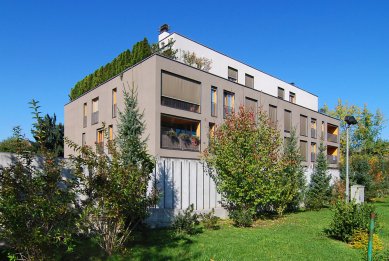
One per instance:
(350, 120)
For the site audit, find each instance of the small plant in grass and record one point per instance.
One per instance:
(349, 218)
(360, 240)
(242, 217)
(209, 220)
(186, 222)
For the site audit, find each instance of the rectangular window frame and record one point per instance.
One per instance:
(249, 81)
(232, 74)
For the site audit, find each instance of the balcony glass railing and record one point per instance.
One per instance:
(213, 109)
(84, 121)
(114, 110)
(313, 156)
(100, 147)
(313, 133)
(179, 143)
(95, 117)
(332, 159)
(332, 137)
(227, 110)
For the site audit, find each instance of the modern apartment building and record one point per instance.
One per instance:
(182, 105)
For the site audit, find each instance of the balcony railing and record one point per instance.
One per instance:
(182, 105)
(100, 147)
(332, 137)
(85, 121)
(313, 133)
(332, 159)
(313, 156)
(213, 109)
(227, 110)
(95, 117)
(114, 110)
(176, 143)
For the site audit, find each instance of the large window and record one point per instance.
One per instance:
(313, 128)
(273, 115)
(95, 110)
(304, 150)
(214, 101)
(232, 74)
(114, 103)
(287, 121)
(303, 125)
(85, 115)
(228, 103)
(251, 105)
(100, 141)
(281, 93)
(180, 133)
(249, 80)
(313, 152)
(180, 92)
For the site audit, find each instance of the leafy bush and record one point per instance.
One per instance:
(348, 218)
(209, 220)
(186, 222)
(242, 217)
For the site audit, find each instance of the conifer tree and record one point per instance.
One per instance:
(130, 133)
(319, 191)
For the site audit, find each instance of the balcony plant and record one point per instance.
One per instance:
(195, 140)
(184, 137)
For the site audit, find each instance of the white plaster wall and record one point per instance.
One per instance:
(262, 81)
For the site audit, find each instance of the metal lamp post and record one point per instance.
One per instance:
(350, 120)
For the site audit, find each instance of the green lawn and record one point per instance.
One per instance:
(297, 236)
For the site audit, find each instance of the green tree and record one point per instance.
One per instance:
(131, 129)
(37, 219)
(292, 178)
(47, 133)
(12, 144)
(244, 157)
(319, 191)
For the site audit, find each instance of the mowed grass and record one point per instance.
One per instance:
(297, 236)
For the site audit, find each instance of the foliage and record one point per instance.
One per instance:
(186, 222)
(338, 191)
(244, 160)
(319, 191)
(131, 128)
(12, 144)
(128, 58)
(202, 63)
(241, 217)
(360, 240)
(37, 213)
(47, 133)
(293, 179)
(348, 218)
(209, 220)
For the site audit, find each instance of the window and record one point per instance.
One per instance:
(313, 152)
(332, 154)
(110, 132)
(180, 92)
(214, 101)
(287, 121)
(211, 131)
(85, 115)
(281, 93)
(249, 80)
(180, 133)
(83, 140)
(322, 130)
(229, 101)
(100, 141)
(292, 97)
(95, 110)
(332, 133)
(114, 103)
(303, 150)
(303, 125)
(232, 74)
(273, 115)
(251, 105)
(313, 128)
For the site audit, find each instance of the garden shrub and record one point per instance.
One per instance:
(348, 218)
(186, 222)
(209, 220)
(360, 240)
(242, 217)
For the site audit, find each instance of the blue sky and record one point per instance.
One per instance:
(335, 49)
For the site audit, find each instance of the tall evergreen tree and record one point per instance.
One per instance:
(293, 179)
(319, 191)
(131, 128)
